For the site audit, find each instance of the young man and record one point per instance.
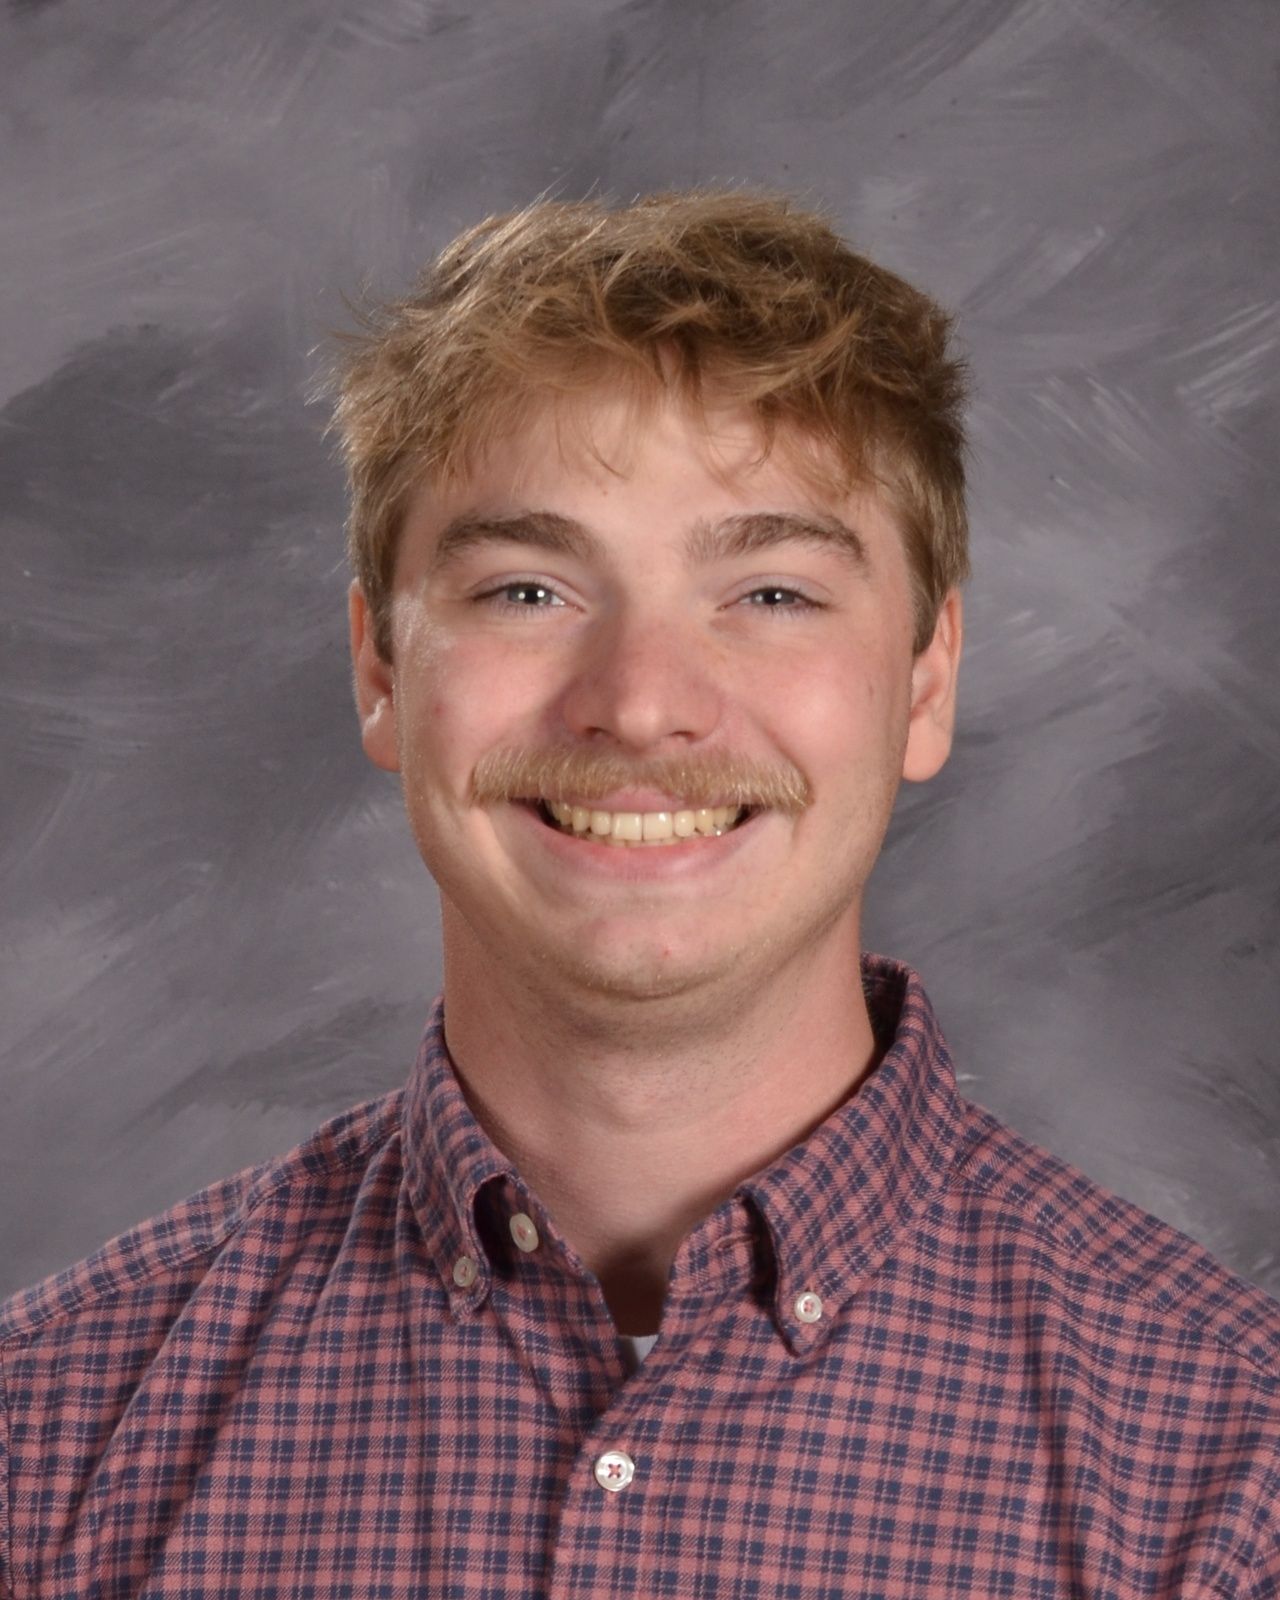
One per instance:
(680, 1267)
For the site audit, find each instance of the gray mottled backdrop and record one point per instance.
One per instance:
(215, 928)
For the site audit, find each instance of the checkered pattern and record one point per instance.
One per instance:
(1018, 1385)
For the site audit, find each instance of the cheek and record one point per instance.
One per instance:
(464, 696)
(839, 703)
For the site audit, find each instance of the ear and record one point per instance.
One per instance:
(933, 695)
(375, 686)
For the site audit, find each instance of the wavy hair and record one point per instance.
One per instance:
(739, 297)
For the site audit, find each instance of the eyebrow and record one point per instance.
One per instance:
(744, 533)
(750, 531)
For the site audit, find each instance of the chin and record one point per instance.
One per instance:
(640, 975)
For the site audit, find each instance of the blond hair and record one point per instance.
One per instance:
(739, 296)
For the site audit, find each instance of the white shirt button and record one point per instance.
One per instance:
(523, 1232)
(808, 1307)
(614, 1470)
(464, 1271)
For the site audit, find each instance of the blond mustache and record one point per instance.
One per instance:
(569, 775)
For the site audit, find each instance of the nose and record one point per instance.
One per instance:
(642, 681)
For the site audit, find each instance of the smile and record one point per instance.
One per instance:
(641, 828)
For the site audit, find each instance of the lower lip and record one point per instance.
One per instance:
(642, 864)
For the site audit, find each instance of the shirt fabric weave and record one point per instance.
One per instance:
(916, 1356)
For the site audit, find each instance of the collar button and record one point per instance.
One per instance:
(524, 1232)
(807, 1306)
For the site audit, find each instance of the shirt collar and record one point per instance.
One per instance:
(448, 1158)
(834, 1203)
(831, 1204)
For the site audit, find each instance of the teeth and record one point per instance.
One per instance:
(644, 827)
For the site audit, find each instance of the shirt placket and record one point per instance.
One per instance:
(616, 1531)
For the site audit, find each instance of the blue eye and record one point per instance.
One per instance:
(524, 594)
(774, 597)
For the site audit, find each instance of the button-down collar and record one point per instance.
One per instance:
(834, 1203)
(830, 1205)
(448, 1158)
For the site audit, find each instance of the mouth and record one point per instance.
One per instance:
(639, 829)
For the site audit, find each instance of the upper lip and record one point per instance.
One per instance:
(635, 800)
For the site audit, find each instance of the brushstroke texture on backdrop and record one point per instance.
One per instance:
(215, 926)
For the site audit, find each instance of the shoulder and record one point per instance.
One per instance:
(159, 1262)
(1114, 1265)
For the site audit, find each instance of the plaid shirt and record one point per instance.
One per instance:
(915, 1356)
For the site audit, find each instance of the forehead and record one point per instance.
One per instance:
(621, 487)
(608, 479)
(608, 456)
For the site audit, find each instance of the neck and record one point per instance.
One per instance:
(633, 1120)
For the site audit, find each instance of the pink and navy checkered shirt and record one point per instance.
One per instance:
(915, 1356)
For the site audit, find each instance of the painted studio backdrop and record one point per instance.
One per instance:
(215, 928)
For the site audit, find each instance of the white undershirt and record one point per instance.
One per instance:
(637, 1346)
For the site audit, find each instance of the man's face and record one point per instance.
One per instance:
(652, 631)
